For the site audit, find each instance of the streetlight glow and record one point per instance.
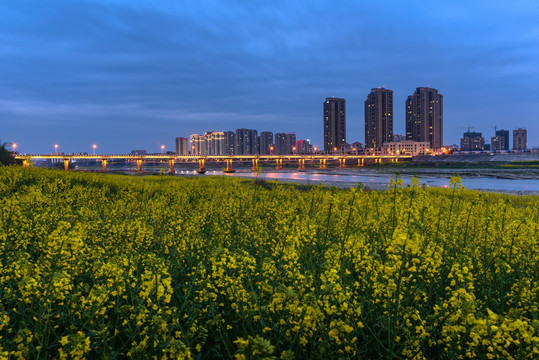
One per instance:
(162, 148)
(94, 146)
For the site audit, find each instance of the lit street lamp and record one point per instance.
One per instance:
(162, 148)
(14, 147)
(94, 146)
(56, 148)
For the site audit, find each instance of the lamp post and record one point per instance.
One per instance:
(14, 147)
(94, 146)
(162, 148)
(56, 148)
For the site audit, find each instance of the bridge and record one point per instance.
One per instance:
(228, 159)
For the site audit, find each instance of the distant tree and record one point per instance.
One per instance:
(5, 155)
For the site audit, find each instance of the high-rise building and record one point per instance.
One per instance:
(182, 146)
(198, 145)
(505, 135)
(500, 141)
(215, 143)
(520, 141)
(230, 142)
(378, 118)
(334, 124)
(246, 142)
(424, 117)
(472, 141)
(265, 142)
(284, 142)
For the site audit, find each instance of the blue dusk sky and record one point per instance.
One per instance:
(128, 74)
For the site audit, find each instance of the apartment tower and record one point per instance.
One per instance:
(520, 141)
(265, 142)
(334, 124)
(378, 118)
(182, 146)
(424, 117)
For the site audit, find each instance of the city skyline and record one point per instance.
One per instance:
(125, 75)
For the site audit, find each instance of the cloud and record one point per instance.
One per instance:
(202, 65)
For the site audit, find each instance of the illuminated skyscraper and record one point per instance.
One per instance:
(334, 124)
(378, 118)
(424, 117)
(246, 142)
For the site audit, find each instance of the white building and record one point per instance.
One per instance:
(198, 145)
(407, 147)
(215, 143)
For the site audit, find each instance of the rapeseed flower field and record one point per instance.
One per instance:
(111, 266)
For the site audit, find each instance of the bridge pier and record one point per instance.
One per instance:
(255, 164)
(342, 163)
(171, 166)
(360, 162)
(322, 163)
(104, 164)
(66, 164)
(301, 163)
(279, 163)
(201, 168)
(139, 165)
(229, 168)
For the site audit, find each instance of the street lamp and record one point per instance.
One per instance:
(271, 150)
(56, 148)
(14, 147)
(293, 149)
(162, 148)
(315, 149)
(94, 146)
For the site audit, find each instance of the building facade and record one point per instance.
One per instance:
(230, 142)
(182, 146)
(406, 147)
(424, 117)
(472, 140)
(284, 143)
(504, 137)
(198, 145)
(265, 141)
(500, 141)
(215, 143)
(520, 139)
(246, 142)
(378, 117)
(334, 124)
(303, 147)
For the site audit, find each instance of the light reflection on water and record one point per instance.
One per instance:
(377, 180)
(381, 180)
